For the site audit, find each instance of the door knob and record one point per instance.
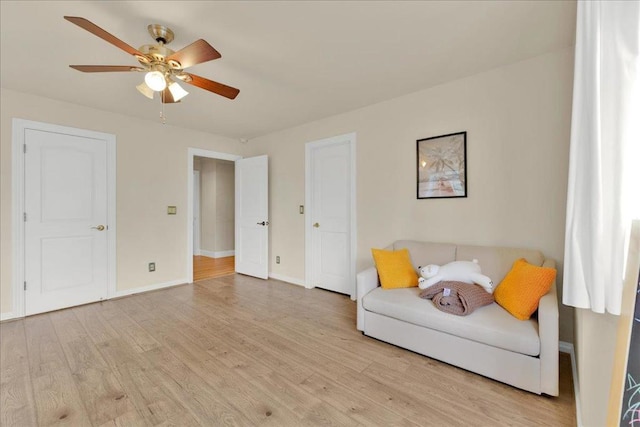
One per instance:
(99, 227)
(316, 225)
(263, 223)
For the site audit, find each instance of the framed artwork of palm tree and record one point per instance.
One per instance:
(442, 166)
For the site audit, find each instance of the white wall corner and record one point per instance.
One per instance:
(567, 347)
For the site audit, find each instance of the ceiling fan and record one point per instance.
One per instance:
(162, 65)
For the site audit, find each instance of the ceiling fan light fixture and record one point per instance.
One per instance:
(155, 80)
(145, 90)
(177, 91)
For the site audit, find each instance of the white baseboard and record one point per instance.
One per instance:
(567, 347)
(217, 254)
(148, 288)
(9, 315)
(197, 252)
(286, 279)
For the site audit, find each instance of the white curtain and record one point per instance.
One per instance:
(604, 183)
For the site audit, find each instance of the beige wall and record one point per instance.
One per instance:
(151, 174)
(225, 206)
(217, 204)
(518, 123)
(207, 204)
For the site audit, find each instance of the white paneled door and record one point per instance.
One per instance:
(252, 216)
(65, 234)
(330, 188)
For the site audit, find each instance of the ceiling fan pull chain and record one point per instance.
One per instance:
(163, 118)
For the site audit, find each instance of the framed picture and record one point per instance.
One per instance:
(442, 166)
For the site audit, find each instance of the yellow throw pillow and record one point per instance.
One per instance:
(395, 269)
(520, 291)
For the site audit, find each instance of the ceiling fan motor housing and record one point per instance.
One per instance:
(156, 55)
(160, 33)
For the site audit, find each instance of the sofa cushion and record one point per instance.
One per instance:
(520, 291)
(491, 325)
(394, 268)
(497, 262)
(424, 253)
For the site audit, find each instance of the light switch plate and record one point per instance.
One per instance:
(301, 209)
(171, 210)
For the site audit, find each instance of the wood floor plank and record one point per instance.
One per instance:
(352, 341)
(354, 405)
(67, 326)
(208, 268)
(16, 392)
(257, 405)
(286, 392)
(206, 404)
(130, 419)
(143, 385)
(93, 322)
(13, 347)
(235, 350)
(102, 393)
(16, 402)
(58, 401)
(45, 353)
(129, 330)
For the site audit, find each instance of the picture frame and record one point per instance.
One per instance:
(441, 166)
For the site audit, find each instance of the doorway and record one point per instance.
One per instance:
(64, 216)
(330, 223)
(213, 217)
(251, 199)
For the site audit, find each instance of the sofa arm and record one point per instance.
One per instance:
(366, 281)
(549, 340)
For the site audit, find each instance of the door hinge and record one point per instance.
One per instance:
(25, 285)
(24, 216)
(24, 148)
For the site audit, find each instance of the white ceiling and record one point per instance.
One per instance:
(294, 62)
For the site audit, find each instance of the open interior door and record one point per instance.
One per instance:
(252, 216)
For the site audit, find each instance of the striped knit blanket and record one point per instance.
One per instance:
(457, 297)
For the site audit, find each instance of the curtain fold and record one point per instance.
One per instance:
(604, 183)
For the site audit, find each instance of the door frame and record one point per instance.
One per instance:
(308, 228)
(191, 154)
(19, 126)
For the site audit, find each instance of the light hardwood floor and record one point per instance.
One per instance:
(208, 268)
(241, 351)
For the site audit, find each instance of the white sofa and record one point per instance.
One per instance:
(489, 341)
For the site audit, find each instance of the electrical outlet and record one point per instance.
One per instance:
(278, 259)
(152, 266)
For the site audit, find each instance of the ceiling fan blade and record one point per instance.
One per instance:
(211, 86)
(167, 97)
(95, 30)
(104, 68)
(196, 53)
